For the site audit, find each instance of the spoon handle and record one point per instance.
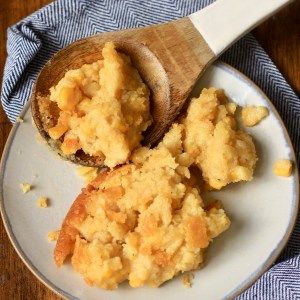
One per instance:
(225, 21)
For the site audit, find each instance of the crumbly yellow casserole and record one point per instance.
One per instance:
(223, 153)
(144, 222)
(103, 108)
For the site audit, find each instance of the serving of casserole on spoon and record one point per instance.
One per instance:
(92, 101)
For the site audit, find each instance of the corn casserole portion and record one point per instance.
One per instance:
(103, 108)
(223, 153)
(143, 222)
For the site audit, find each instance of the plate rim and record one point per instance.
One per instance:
(252, 278)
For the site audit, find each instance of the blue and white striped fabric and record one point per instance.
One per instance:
(35, 39)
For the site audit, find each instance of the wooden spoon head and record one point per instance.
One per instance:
(86, 51)
(170, 58)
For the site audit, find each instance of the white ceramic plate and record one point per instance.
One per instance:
(263, 211)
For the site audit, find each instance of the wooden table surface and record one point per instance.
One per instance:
(280, 37)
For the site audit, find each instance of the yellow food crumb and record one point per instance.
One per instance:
(283, 167)
(20, 120)
(42, 202)
(223, 153)
(88, 173)
(53, 235)
(187, 280)
(25, 187)
(252, 115)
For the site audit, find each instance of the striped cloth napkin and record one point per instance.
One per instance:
(32, 41)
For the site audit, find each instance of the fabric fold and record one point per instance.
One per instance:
(22, 46)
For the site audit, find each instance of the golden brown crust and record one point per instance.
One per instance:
(77, 213)
(66, 240)
(196, 232)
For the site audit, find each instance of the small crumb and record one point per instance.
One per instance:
(42, 202)
(25, 187)
(283, 167)
(53, 235)
(187, 279)
(252, 115)
(88, 173)
(20, 120)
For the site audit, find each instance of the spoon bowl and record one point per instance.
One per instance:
(86, 51)
(157, 63)
(170, 58)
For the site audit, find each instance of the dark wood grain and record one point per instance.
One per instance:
(280, 37)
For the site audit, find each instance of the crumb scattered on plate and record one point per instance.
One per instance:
(187, 279)
(252, 115)
(20, 120)
(88, 173)
(42, 202)
(283, 167)
(25, 187)
(53, 235)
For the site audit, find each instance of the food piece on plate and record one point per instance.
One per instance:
(252, 115)
(223, 153)
(42, 202)
(283, 167)
(25, 187)
(187, 279)
(88, 173)
(53, 235)
(100, 109)
(19, 120)
(144, 221)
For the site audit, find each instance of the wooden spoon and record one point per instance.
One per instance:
(170, 58)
